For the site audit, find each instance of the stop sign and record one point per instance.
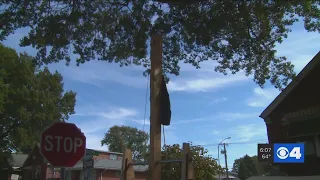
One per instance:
(63, 144)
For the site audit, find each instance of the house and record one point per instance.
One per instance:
(224, 177)
(107, 166)
(36, 167)
(232, 176)
(294, 116)
(15, 162)
(103, 169)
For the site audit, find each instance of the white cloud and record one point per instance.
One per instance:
(146, 124)
(101, 119)
(93, 141)
(249, 132)
(204, 84)
(300, 47)
(119, 113)
(300, 61)
(107, 112)
(219, 100)
(99, 73)
(237, 116)
(262, 97)
(142, 122)
(169, 135)
(215, 132)
(170, 138)
(220, 116)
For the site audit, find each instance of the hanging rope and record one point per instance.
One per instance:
(144, 116)
(145, 104)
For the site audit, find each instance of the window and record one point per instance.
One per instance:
(113, 157)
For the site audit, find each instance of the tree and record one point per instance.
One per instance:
(261, 168)
(251, 164)
(236, 164)
(31, 99)
(244, 172)
(205, 167)
(238, 35)
(119, 137)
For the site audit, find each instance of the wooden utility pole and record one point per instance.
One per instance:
(155, 124)
(225, 158)
(127, 166)
(187, 171)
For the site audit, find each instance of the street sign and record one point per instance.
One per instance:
(88, 162)
(63, 144)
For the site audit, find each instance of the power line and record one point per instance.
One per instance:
(240, 142)
(251, 142)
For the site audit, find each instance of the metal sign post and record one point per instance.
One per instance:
(88, 163)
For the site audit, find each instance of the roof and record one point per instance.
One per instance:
(18, 160)
(224, 177)
(284, 178)
(109, 164)
(294, 83)
(109, 152)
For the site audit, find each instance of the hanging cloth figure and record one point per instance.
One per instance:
(165, 109)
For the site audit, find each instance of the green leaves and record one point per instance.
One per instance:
(205, 167)
(30, 100)
(249, 166)
(239, 35)
(244, 172)
(119, 137)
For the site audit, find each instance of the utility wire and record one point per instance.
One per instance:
(164, 136)
(240, 142)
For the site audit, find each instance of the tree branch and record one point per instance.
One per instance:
(5, 133)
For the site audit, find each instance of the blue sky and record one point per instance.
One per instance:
(206, 106)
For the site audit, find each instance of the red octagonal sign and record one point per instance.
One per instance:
(63, 144)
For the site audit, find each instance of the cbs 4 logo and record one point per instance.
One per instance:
(284, 153)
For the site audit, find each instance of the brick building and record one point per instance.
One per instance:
(107, 166)
(294, 116)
